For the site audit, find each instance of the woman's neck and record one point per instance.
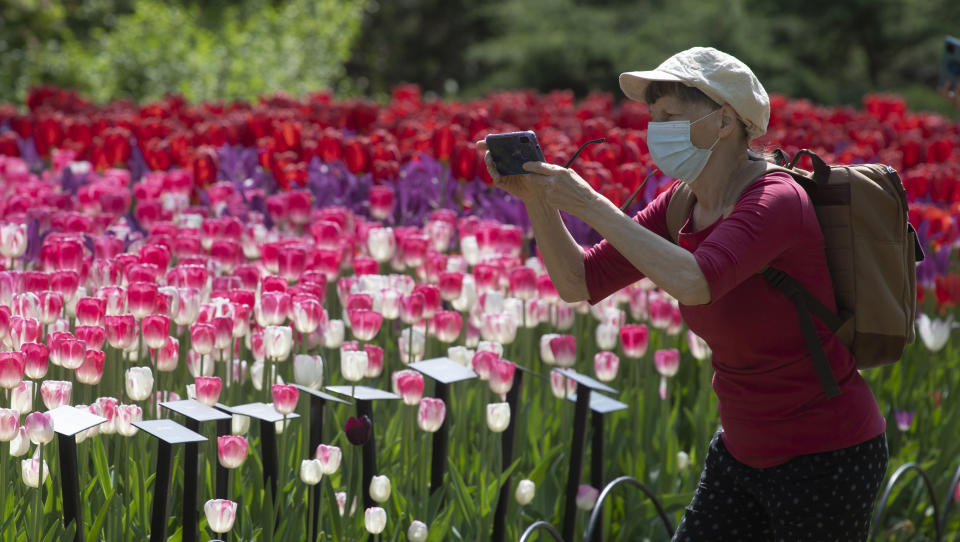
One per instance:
(720, 184)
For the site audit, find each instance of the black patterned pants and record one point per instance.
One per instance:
(816, 497)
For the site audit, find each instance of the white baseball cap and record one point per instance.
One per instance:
(722, 77)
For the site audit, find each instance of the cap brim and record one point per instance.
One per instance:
(634, 84)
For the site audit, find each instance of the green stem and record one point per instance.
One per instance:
(38, 502)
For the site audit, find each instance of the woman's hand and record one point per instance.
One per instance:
(558, 187)
(951, 93)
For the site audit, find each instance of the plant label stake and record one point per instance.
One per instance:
(600, 405)
(318, 401)
(195, 413)
(506, 454)
(167, 433)
(364, 397)
(586, 385)
(268, 417)
(444, 371)
(67, 422)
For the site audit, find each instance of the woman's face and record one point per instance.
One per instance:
(671, 108)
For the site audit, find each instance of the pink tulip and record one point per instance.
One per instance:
(39, 427)
(381, 201)
(290, 262)
(202, 337)
(36, 359)
(93, 335)
(24, 330)
(587, 497)
(450, 284)
(169, 356)
(121, 331)
(207, 389)
(605, 366)
(27, 305)
(448, 325)
(560, 385)
(142, 299)
(231, 451)
(11, 369)
(223, 331)
(432, 302)
(307, 313)
(273, 309)
(50, 305)
(374, 360)
(365, 323)
(413, 247)
(55, 393)
(156, 329)
(329, 458)
(667, 361)
(634, 339)
(106, 407)
(285, 398)
(13, 240)
(188, 306)
(382, 244)
(698, 347)
(70, 353)
(91, 371)
(431, 413)
(483, 362)
(501, 375)
(564, 349)
(116, 299)
(523, 282)
(90, 311)
(661, 310)
(220, 514)
(546, 290)
(411, 308)
(9, 424)
(409, 385)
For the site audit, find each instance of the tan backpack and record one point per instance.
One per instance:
(872, 252)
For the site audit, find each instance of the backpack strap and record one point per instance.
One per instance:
(678, 209)
(806, 303)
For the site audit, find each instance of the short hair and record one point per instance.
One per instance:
(658, 89)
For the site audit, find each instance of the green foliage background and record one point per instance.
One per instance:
(831, 51)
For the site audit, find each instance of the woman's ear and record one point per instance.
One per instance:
(729, 123)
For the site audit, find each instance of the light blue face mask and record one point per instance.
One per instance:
(673, 151)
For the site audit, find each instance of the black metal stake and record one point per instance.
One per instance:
(576, 461)
(316, 437)
(161, 494)
(223, 473)
(596, 459)
(438, 456)
(70, 488)
(191, 474)
(369, 454)
(506, 454)
(268, 452)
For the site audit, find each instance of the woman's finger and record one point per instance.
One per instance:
(543, 168)
(481, 145)
(491, 166)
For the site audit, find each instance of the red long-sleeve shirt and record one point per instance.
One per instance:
(772, 406)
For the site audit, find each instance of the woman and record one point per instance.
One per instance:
(789, 463)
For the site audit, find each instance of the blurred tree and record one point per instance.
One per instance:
(205, 50)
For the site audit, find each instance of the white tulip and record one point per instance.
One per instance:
(375, 520)
(308, 371)
(310, 472)
(30, 472)
(525, 492)
(380, 488)
(139, 383)
(498, 416)
(417, 532)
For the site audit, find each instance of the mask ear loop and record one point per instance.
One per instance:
(635, 192)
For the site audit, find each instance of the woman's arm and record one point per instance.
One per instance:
(561, 254)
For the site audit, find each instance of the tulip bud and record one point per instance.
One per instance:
(501, 375)
(9, 424)
(329, 458)
(92, 336)
(461, 355)
(55, 393)
(285, 398)
(13, 240)
(605, 366)
(12, 365)
(483, 363)
(106, 407)
(310, 472)
(498, 416)
(278, 342)
(220, 514)
(431, 413)
(409, 385)
(21, 397)
(121, 331)
(587, 497)
(91, 371)
(353, 365)
(333, 334)
(90, 311)
(139, 383)
(39, 427)
(380, 488)
(169, 355)
(381, 243)
(375, 520)
(231, 451)
(417, 532)
(126, 415)
(207, 389)
(411, 350)
(239, 425)
(156, 328)
(560, 385)
(30, 472)
(564, 349)
(607, 336)
(307, 313)
(525, 492)
(308, 371)
(358, 430)
(20, 444)
(683, 461)
(698, 347)
(70, 353)
(448, 325)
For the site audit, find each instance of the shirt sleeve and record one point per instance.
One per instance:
(764, 223)
(607, 270)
